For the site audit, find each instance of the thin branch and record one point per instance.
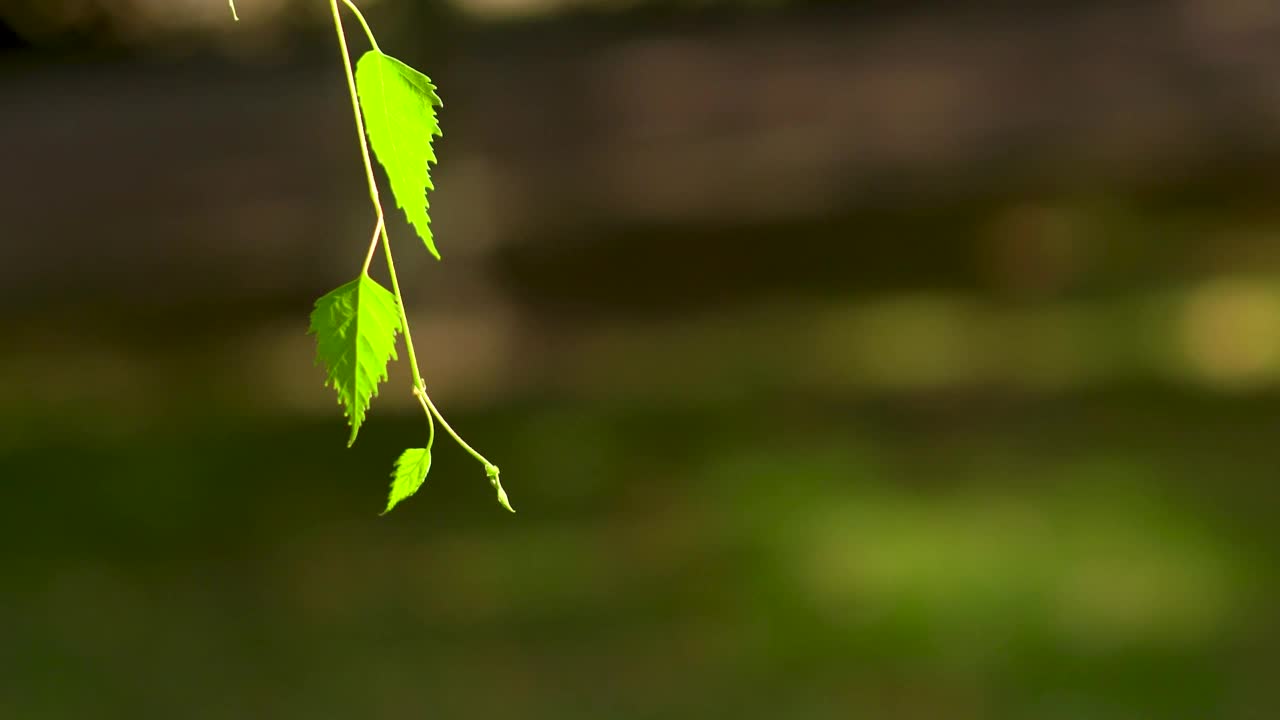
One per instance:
(373, 188)
(490, 469)
(431, 423)
(404, 319)
(380, 231)
(355, 109)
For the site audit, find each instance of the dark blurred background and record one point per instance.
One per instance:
(843, 359)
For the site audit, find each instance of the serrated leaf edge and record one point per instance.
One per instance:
(434, 131)
(356, 415)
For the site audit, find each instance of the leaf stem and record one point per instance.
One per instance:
(404, 319)
(373, 244)
(363, 23)
(431, 423)
(355, 109)
(234, 16)
(431, 407)
(489, 468)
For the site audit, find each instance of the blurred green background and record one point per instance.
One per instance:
(843, 359)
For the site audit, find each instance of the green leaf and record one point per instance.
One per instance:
(355, 328)
(409, 474)
(399, 104)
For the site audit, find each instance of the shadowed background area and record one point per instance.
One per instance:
(843, 359)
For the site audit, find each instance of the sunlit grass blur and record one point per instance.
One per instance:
(667, 557)
(758, 511)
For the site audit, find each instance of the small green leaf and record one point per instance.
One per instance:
(409, 474)
(398, 104)
(355, 328)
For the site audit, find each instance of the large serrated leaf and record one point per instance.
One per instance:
(398, 104)
(410, 472)
(355, 328)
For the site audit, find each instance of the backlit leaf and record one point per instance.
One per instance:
(355, 328)
(409, 474)
(398, 104)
